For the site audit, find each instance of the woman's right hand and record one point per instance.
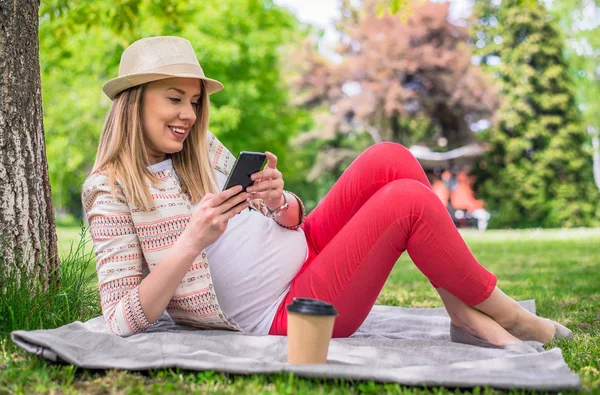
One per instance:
(213, 213)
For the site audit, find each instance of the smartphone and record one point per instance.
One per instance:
(246, 164)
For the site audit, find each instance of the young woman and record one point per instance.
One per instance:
(166, 238)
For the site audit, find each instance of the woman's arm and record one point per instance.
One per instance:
(292, 218)
(157, 289)
(130, 301)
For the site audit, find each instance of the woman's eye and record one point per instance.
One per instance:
(178, 100)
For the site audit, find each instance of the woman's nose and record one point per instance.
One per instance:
(188, 112)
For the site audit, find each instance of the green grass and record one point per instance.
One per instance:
(69, 239)
(559, 269)
(54, 305)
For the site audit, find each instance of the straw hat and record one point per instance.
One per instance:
(158, 58)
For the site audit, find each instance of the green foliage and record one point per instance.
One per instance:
(412, 85)
(400, 7)
(240, 43)
(583, 53)
(538, 171)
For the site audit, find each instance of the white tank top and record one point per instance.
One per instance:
(252, 264)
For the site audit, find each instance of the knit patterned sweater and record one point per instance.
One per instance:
(129, 243)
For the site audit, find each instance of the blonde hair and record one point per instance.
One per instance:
(122, 151)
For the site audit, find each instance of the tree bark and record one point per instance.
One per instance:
(28, 241)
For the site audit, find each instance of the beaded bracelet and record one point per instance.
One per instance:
(302, 214)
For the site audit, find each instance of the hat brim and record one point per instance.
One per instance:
(117, 85)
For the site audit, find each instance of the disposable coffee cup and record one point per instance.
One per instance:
(309, 330)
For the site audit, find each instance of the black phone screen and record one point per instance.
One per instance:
(246, 164)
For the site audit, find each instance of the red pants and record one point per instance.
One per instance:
(381, 206)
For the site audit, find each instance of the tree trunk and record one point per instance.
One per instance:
(28, 240)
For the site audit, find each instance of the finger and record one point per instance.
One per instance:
(234, 210)
(220, 197)
(230, 204)
(233, 201)
(266, 194)
(267, 173)
(234, 190)
(238, 208)
(271, 160)
(265, 186)
(270, 196)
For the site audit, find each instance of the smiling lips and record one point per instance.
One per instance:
(178, 132)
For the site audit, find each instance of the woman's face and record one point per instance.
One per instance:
(168, 115)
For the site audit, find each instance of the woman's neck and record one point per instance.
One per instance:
(153, 160)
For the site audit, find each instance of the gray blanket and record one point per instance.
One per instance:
(402, 345)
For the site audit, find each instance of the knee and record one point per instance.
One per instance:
(406, 189)
(388, 150)
(388, 156)
(407, 198)
(407, 192)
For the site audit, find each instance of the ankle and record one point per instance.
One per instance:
(511, 318)
(462, 318)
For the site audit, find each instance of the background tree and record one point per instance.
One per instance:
(403, 78)
(579, 20)
(539, 172)
(239, 42)
(28, 241)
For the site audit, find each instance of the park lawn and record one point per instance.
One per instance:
(69, 239)
(557, 268)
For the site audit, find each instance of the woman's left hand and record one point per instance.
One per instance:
(268, 184)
